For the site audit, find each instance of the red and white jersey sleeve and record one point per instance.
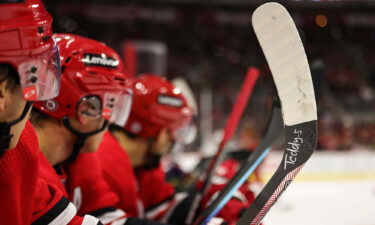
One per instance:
(51, 207)
(54, 200)
(88, 190)
(158, 196)
(119, 175)
(26, 197)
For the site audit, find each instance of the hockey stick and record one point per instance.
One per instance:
(274, 131)
(230, 127)
(286, 57)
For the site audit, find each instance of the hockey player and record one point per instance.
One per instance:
(29, 71)
(130, 155)
(70, 126)
(158, 118)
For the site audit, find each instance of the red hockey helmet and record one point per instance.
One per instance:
(92, 84)
(157, 104)
(26, 44)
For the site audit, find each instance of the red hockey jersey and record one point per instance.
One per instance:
(137, 190)
(48, 173)
(18, 180)
(158, 196)
(26, 197)
(118, 173)
(86, 185)
(82, 182)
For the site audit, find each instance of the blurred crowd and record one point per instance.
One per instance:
(213, 47)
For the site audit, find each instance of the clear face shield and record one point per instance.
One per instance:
(121, 111)
(185, 135)
(115, 108)
(40, 76)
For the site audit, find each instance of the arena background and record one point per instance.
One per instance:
(211, 44)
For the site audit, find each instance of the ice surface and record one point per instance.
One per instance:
(325, 203)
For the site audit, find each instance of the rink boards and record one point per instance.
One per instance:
(329, 166)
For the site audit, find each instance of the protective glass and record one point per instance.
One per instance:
(117, 107)
(40, 76)
(186, 134)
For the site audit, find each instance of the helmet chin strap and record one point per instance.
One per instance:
(81, 138)
(5, 135)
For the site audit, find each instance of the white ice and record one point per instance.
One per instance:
(325, 203)
(332, 189)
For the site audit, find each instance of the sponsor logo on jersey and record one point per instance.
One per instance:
(99, 60)
(169, 100)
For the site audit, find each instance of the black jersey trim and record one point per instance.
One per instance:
(53, 213)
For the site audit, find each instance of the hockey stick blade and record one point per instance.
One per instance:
(273, 132)
(230, 127)
(286, 57)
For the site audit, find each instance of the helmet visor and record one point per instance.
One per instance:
(117, 107)
(186, 134)
(40, 76)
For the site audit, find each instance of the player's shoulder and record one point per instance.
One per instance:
(25, 154)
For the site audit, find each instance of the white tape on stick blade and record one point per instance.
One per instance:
(285, 54)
